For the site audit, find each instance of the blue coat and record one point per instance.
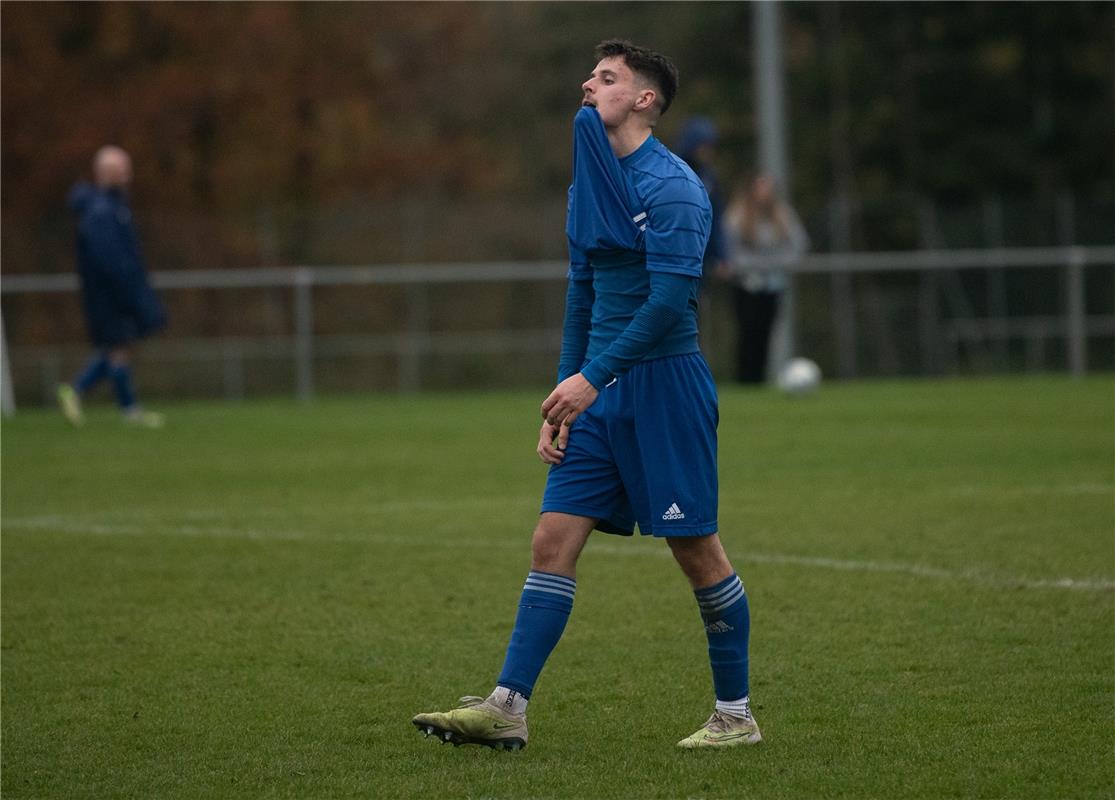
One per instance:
(120, 305)
(696, 132)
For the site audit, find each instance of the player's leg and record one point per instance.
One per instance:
(120, 372)
(69, 395)
(726, 616)
(95, 371)
(545, 604)
(676, 461)
(582, 492)
(499, 721)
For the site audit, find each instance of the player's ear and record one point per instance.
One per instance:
(645, 99)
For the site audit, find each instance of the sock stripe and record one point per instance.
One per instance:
(567, 595)
(557, 580)
(551, 584)
(712, 592)
(727, 604)
(720, 605)
(719, 597)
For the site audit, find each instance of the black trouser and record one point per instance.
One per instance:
(755, 312)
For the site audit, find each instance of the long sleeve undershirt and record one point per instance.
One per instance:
(669, 295)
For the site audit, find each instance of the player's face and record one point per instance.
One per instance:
(613, 90)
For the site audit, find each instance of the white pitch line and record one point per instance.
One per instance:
(72, 525)
(1074, 489)
(895, 567)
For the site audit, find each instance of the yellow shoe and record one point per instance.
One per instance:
(476, 721)
(70, 403)
(724, 730)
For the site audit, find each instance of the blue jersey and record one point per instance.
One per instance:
(645, 450)
(628, 217)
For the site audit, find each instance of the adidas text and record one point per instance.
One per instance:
(673, 512)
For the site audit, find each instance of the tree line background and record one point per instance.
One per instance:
(339, 133)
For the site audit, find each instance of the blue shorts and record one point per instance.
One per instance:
(644, 451)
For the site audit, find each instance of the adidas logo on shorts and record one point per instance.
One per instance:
(673, 512)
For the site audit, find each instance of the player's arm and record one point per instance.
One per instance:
(579, 297)
(678, 227)
(677, 232)
(574, 332)
(670, 293)
(574, 344)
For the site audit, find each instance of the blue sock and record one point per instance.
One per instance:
(95, 371)
(728, 626)
(544, 609)
(121, 375)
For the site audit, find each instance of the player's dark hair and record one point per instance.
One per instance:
(651, 65)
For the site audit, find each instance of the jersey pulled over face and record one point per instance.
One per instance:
(628, 217)
(613, 89)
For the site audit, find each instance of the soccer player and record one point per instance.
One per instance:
(119, 304)
(630, 429)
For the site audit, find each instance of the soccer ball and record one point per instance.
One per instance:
(799, 376)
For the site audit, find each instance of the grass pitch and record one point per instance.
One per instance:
(254, 601)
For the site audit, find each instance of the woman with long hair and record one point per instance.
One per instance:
(763, 236)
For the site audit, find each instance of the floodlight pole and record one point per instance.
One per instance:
(770, 94)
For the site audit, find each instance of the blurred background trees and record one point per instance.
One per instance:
(365, 132)
(277, 133)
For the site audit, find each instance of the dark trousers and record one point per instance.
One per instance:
(755, 313)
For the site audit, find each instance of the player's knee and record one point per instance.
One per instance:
(554, 548)
(547, 553)
(701, 558)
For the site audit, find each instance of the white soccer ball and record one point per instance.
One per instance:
(799, 376)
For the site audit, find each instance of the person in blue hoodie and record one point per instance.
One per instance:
(119, 304)
(697, 147)
(629, 431)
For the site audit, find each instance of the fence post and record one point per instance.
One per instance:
(929, 314)
(7, 393)
(414, 343)
(304, 334)
(842, 288)
(1076, 335)
(233, 369)
(994, 238)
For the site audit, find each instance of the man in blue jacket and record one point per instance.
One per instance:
(119, 304)
(630, 429)
(697, 147)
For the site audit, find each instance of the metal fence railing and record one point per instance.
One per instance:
(415, 339)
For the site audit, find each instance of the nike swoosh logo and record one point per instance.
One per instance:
(502, 726)
(727, 737)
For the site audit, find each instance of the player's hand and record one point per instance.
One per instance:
(548, 449)
(566, 402)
